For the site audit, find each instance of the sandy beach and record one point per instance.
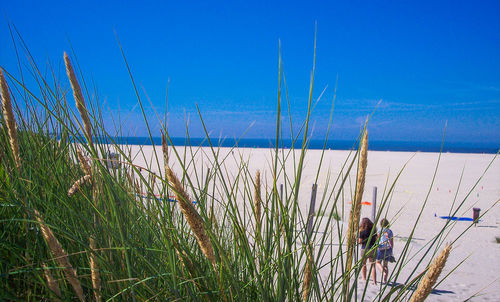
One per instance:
(471, 179)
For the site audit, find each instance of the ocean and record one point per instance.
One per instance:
(453, 147)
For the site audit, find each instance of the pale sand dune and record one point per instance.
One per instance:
(477, 247)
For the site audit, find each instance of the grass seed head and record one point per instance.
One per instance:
(51, 283)
(84, 164)
(77, 184)
(427, 282)
(60, 256)
(94, 270)
(164, 148)
(308, 274)
(356, 204)
(257, 200)
(10, 120)
(79, 100)
(192, 217)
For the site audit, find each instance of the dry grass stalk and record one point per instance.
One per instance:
(186, 262)
(77, 184)
(153, 182)
(10, 120)
(257, 201)
(192, 217)
(60, 256)
(94, 270)
(84, 164)
(427, 282)
(51, 283)
(356, 205)
(130, 180)
(213, 219)
(308, 274)
(137, 187)
(79, 100)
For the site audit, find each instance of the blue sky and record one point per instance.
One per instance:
(428, 62)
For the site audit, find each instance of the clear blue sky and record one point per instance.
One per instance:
(429, 62)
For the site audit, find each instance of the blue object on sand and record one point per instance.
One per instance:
(456, 218)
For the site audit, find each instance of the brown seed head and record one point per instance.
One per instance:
(94, 270)
(308, 272)
(77, 184)
(138, 188)
(60, 256)
(51, 283)
(10, 120)
(356, 204)
(80, 102)
(153, 181)
(257, 200)
(84, 164)
(427, 282)
(192, 217)
(164, 148)
(363, 160)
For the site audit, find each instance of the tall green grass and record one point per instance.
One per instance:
(143, 248)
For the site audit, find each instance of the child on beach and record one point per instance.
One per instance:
(368, 239)
(384, 250)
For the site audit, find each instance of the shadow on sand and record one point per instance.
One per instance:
(413, 288)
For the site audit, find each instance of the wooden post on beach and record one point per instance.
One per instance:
(311, 211)
(374, 204)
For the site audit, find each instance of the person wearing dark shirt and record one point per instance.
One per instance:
(368, 241)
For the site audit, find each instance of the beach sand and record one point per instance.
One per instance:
(459, 179)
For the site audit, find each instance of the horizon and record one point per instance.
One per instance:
(427, 64)
(312, 144)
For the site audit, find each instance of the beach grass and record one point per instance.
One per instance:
(74, 228)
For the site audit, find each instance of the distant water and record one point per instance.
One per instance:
(318, 144)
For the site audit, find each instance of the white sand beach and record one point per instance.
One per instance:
(459, 178)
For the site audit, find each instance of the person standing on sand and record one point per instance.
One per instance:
(368, 240)
(384, 250)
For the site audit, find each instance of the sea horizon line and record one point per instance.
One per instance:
(313, 144)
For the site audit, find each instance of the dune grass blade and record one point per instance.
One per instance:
(10, 120)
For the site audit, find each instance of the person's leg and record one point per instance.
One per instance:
(385, 271)
(363, 265)
(378, 263)
(363, 272)
(386, 264)
(374, 271)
